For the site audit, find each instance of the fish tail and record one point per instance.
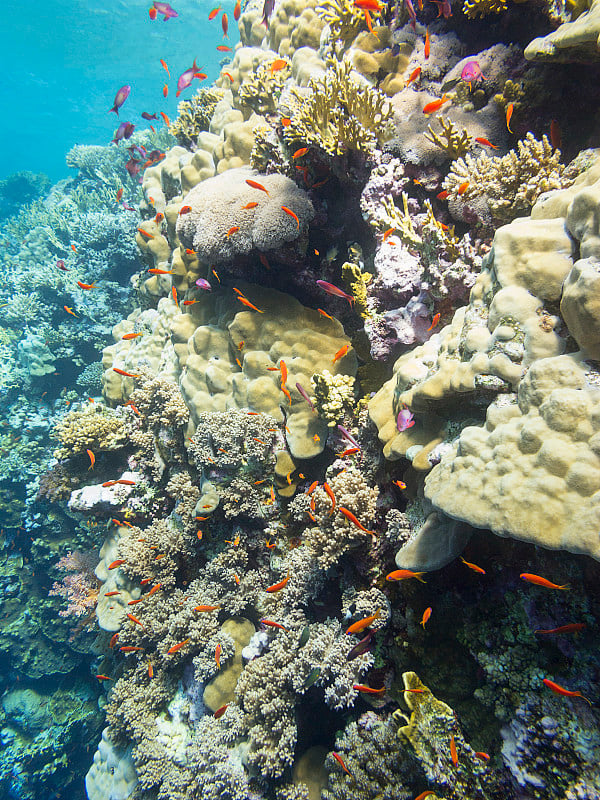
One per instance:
(418, 576)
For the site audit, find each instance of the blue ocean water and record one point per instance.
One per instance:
(63, 63)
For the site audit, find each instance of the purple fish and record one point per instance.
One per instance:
(133, 166)
(412, 14)
(128, 208)
(471, 72)
(186, 78)
(61, 265)
(136, 148)
(148, 115)
(165, 8)
(120, 98)
(335, 291)
(444, 8)
(202, 283)
(267, 11)
(347, 435)
(362, 647)
(305, 396)
(405, 420)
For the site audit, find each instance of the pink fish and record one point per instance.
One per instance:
(147, 115)
(304, 395)
(120, 98)
(124, 131)
(347, 435)
(186, 78)
(471, 72)
(444, 8)
(334, 290)
(202, 283)
(411, 13)
(405, 420)
(133, 166)
(165, 8)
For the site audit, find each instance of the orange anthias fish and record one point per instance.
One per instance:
(453, 753)
(434, 322)
(562, 691)
(237, 10)
(124, 373)
(92, 459)
(70, 311)
(184, 210)
(350, 516)
(120, 195)
(482, 756)
(272, 624)
(156, 271)
(103, 678)
(400, 484)
(214, 12)
(134, 619)
(206, 608)
(474, 567)
(256, 185)
(177, 647)
(486, 142)
(218, 651)
(425, 794)
(278, 64)
(225, 25)
(301, 152)
(222, 48)
(368, 5)
(166, 120)
(131, 336)
(220, 711)
(404, 574)
(509, 112)
(362, 624)
(233, 229)
(278, 586)
(539, 581)
(427, 43)
(86, 285)
(165, 90)
(290, 213)
(250, 205)
(329, 492)
(572, 627)
(340, 353)
(463, 187)
(340, 761)
(360, 687)
(164, 66)
(413, 76)
(435, 105)
(426, 615)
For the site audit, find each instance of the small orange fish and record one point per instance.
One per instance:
(403, 575)
(340, 353)
(562, 691)
(214, 272)
(278, 64)
(222, 48)
(272, 624)
(70, 311)
(86, 285)
(206, 608)
(159, 217)
(236, 579)
(120, 195)
(426, 615)
(92, 458)
(145, 233)
(349, 452)
(453, 753)
(427, 43)
(177, 647)
(400, 484)
(415, 691)
(538, 581)
(247, 303)
(165, 90)
(154, 589)
(131, 336)
(111, 594)
(124, 373)
(189, 302)
(103, 678)
(463, 187)
(155, 271)
(250, 205)
(350, 516)
(130, 649)
(301, 152)
(291, 214)
(329, 492)
(233, 229)
(325, 314)
(150, 670)
(220, 711)
(442, 195)
(166, 120)
(388, 233)
(237, 10)
(486, 142)
(362, 624)
(256, 185)
(218, 651)
(278, 586)
(573, 627)
(509, 112)
(189, 251)
(286, 122)
(482, 756)
(434, 322)
(164, 66)
(360, 687)
(73, 248)
(413, 76)
(474, 567)
(134, 619)
(174, 294)
(224, 25)
(113, 640)
(435, 105)
(370, 23)
(214, 12)
(337, 756)
(184, 210)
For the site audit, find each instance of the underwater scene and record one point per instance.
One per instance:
(300, 400)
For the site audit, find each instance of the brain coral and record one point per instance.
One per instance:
(218, 227)
(533, 471)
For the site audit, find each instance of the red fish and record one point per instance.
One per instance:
(206, 608)
(166, 120)
(453, 753)
(70, 311)
(272, 624)
(233, 229)
(165, 90)
(463, 187)
(177, 647)
(184, 210)
(218, 651)
(427, 43)
(278, 64)
(291, 214)
(256, 185)
(434, 322)
(562, 691)
(474, 567)
(111, 594)
(486, 142)
(166, 69)
(301, 152)
(125, 374)
(214, 12)
(86, 285)
(359, 687)
(222, 48)
(92, 458)
(363, 624)
(572, 627)
(247, 303)
(103, 678)
(337, 756)
(350, 516)
(130, 649)
(368, 5)
(220, 711)
(134, 619)
(335, 291)
(435, 105)
(404, 574)
(340, 353)
(349, 452)
(250, 205)
(276, 587)
(152, 13)
(113, 640)
(230, 76)
(482, 756)
(237, 10)
(509, 112)
(155, 271)
(225, 25)
(426, 615)
(539, 581)
(131, 336)
(413, 76)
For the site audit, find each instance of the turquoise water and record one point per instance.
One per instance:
(299, 390)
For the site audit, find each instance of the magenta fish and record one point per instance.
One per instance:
(268, 7)
(404, 420)
(120, 98)
(347, 435)
(124, 131)
(304, 395)
(202, 283)
(335, 291)
(147, 115)
(133, 166)
(61, 265)
(471, 72)
(362, 647)
(165, 8)
(186, 78)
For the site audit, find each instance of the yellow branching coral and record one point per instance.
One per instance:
(481, 8)
(345, 20)
(260, 89)
(336, 114)
(511, 184)
(92, 427)
(357, 280)
(400, 220)
(449, 139)
(193, 116)
(333, 395)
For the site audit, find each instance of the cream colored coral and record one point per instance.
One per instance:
(92, 427)
(533, 471)
(238, 141)
(580, 305)
(294, 24)
(110, 611)
(576, 41)
(221, 689)
(334, 395)
(371, 56)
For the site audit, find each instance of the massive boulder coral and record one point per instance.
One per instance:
(533, 471)
(576, 41)
(218, 227)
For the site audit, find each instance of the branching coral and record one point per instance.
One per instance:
(260, 89)
(481, 8)
(194, 115)
(345, 19)
(92, 427)
(449, 139)
(335, 114)
(510, 184)
(334, 395)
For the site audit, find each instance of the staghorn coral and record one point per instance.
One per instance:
(481, 8)
(449, 139)
(335, 113)
(260, 89)
(345, 20)
(194, 115)
(92, 427)
(510, 184)
(333, 395)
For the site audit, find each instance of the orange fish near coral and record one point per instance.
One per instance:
(131, 336)
(70, 311)
(360, 687)
(426, 615)
(434, 322)
(486, 142)
(206, 608)
(362, 624)
(278, 586)
(177, 647)
(350, 516)
(220, 711)
(539, 581)
(218, 651)
(92, 458)
(214, 12)
(124, 373)
(301, 152)
(435, 105)
(225, 25)
(249, 205)
(164, 66)
(156, 271)
(368, 5)
(340, 353)
(278, 64)
(427, 43)
(248, 304)
(290, 213)
(509, 112)
(86, 285)
(413, 76)
(562, 691)
(237, 10)
(338, 757)
(403, 575)
(453, 753)
(256, 185)
(165, 90)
